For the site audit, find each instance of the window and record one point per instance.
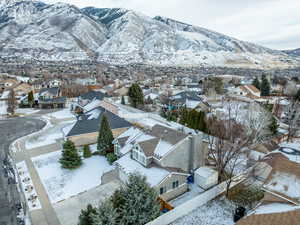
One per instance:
(175, 184)
(162, 190)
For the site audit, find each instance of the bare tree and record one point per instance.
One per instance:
(73, 90)
(11, 102)
(257, 121)
(293, 118)
(229, 138)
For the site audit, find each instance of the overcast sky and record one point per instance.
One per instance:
(272, 23)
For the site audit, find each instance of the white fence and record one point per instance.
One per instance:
(194, 203)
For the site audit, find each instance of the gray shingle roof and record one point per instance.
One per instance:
(93, 95)
(85, 125)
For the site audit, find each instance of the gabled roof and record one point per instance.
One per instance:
(284, 178)
(93, 95)
(290, 217)
(90, 122)
(149, 146)
(53, 100)
(186, 95)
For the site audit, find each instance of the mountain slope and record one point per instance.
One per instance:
(34, 30)
(295, 52)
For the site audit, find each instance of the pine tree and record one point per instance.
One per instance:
(70, 158)
(136, 96)
(256, 83)
(123, 100)
(30, 98)
(86, 216)
(86, 151)
(11, 102)
(140, 204)
(105, 214)
(265, 86)
(273, 126)
(297, 97)
(105, 136)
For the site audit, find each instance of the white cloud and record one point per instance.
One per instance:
(272, 23)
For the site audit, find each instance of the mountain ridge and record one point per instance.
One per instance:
(63, 32)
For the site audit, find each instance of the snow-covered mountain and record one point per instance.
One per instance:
(35, 30)
(295, 52)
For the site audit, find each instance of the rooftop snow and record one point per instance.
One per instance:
(154, 175)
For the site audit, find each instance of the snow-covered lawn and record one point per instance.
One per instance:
(26, 111)
(215, 212)
(62, 114)
(27, 186)
(62, 183)
(49, 136)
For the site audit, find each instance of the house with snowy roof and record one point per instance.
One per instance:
(164, 155)
(86, 129)
(280, 176)
(246, 90)
(189, 99)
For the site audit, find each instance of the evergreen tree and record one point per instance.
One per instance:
(298, 95)
(256, 83)
(273, 126)
(86, 151)
(86, 216)
(140, 204)
(11, 102)
(105, 214)
(265, 86)
(30, 98)
(105, 137)
(70, 158)
(136, 96)
(123, 100)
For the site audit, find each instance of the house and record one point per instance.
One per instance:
(86, 81)
(246, 90)
(53, 83)
(22, 89)
(164, 155)
(8, 83)
(273, 211)
(191, 100)
(51, 98)
(90, 96)
(279, 173)
(86, 129)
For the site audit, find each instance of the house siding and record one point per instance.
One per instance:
(91, 138)
(181, 157)
(171, 192)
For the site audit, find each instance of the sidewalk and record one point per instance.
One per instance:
(46, 215)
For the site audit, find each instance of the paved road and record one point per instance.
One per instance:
(11, 130)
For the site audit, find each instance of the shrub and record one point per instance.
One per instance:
(86, 151)
(111, 157)
(245, 196)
